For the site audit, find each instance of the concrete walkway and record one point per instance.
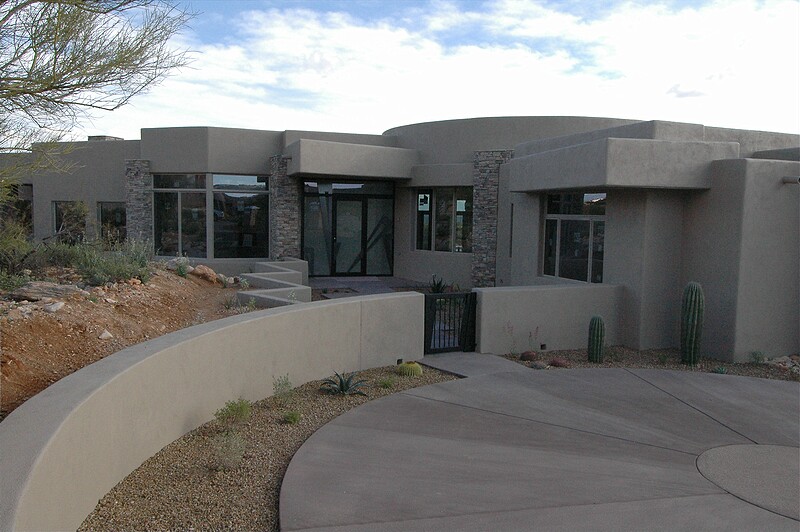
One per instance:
(598, 449)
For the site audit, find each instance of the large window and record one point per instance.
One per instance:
(238, 227)
(111, 215)
(241, 211)
(69, 220)
(573, 236)
(444, 219)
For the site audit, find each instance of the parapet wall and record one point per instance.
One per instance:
(68, 446)
(524, 317)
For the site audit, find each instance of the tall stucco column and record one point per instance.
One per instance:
(285, 195)
(486, 182)
(138, 200)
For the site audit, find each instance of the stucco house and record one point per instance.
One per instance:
(488, 202)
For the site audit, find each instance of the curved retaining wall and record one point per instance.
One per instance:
(65, 448)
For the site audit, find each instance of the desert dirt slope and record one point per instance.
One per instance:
(39, 347)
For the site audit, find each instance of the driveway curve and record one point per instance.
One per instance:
(599, 449)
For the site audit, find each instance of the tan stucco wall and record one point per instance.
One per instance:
(560, 314)
(209, 149)
(455, 141)
(742, 244)
(417, 265)
(92, 174)
(321, 157)
(65, 448)
(612, 162)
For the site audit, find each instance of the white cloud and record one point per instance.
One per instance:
(731, 64)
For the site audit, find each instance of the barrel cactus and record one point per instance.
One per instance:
(409, 369)
(692, 307)
(597, 336)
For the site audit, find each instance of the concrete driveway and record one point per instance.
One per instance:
(583, 449)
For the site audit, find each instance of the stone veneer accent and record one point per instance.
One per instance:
(285, 196)
(138, 200)
(486, 181)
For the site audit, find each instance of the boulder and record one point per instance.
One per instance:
(36, 290)
(105, 335)
(529, 356)
(54, 307)
(204, 272)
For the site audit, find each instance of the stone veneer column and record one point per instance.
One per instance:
(486, 181)
(285, 195)
(138, 200)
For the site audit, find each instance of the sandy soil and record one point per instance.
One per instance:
(37, 348)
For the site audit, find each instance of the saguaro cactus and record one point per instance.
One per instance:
(597, 336)
(692, 307)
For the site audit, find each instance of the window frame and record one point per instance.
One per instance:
(435, 194)
(559, 218)
(209, 189)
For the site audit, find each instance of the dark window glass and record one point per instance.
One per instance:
(573, 260)
(463, 241)
(444, 220)
(424, 219)
(598, 238)
(69, 220)
(239, 182)
(165, 222)
(380, 212)
(318, 234)
(550, 235)
(179, 181)
(112, 220)
(193, 224)
(368, 187)
(240, 225)
(577, 204)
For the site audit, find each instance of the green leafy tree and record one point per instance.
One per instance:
(60, 60)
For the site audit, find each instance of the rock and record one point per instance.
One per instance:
(539, 365)
(134, 281)
(204, 272)
(105, 335)
(111, 301)
(54, 307)
(222, 279)
(529, 356)
(36, 290)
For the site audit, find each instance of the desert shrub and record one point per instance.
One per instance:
(73, 222)
(720, 369)
(291, 417)
(233, 414)
(437, 285)
(14, 246)
(343, 384)
(228, 450)
(125, 260)
(12, 281)
(758, 357)
(387, 382)
(282, 388)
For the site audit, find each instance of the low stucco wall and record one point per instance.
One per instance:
(556, 315)
(65, 448)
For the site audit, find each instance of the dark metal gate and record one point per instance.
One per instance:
(449, 322)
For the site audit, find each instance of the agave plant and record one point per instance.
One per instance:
(343, 384)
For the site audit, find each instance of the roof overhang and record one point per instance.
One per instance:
(616, 162)
(320, 157)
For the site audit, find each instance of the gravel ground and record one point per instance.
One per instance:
(622, 357)
(182, 487)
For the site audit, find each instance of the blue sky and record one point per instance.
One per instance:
(365, 66)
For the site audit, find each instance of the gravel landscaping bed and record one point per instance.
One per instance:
(183, 488)
(622, 357)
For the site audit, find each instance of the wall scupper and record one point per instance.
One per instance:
(321, 157)
(620, 162)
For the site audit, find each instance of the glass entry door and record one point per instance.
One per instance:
(348, 238)
(348, 228)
